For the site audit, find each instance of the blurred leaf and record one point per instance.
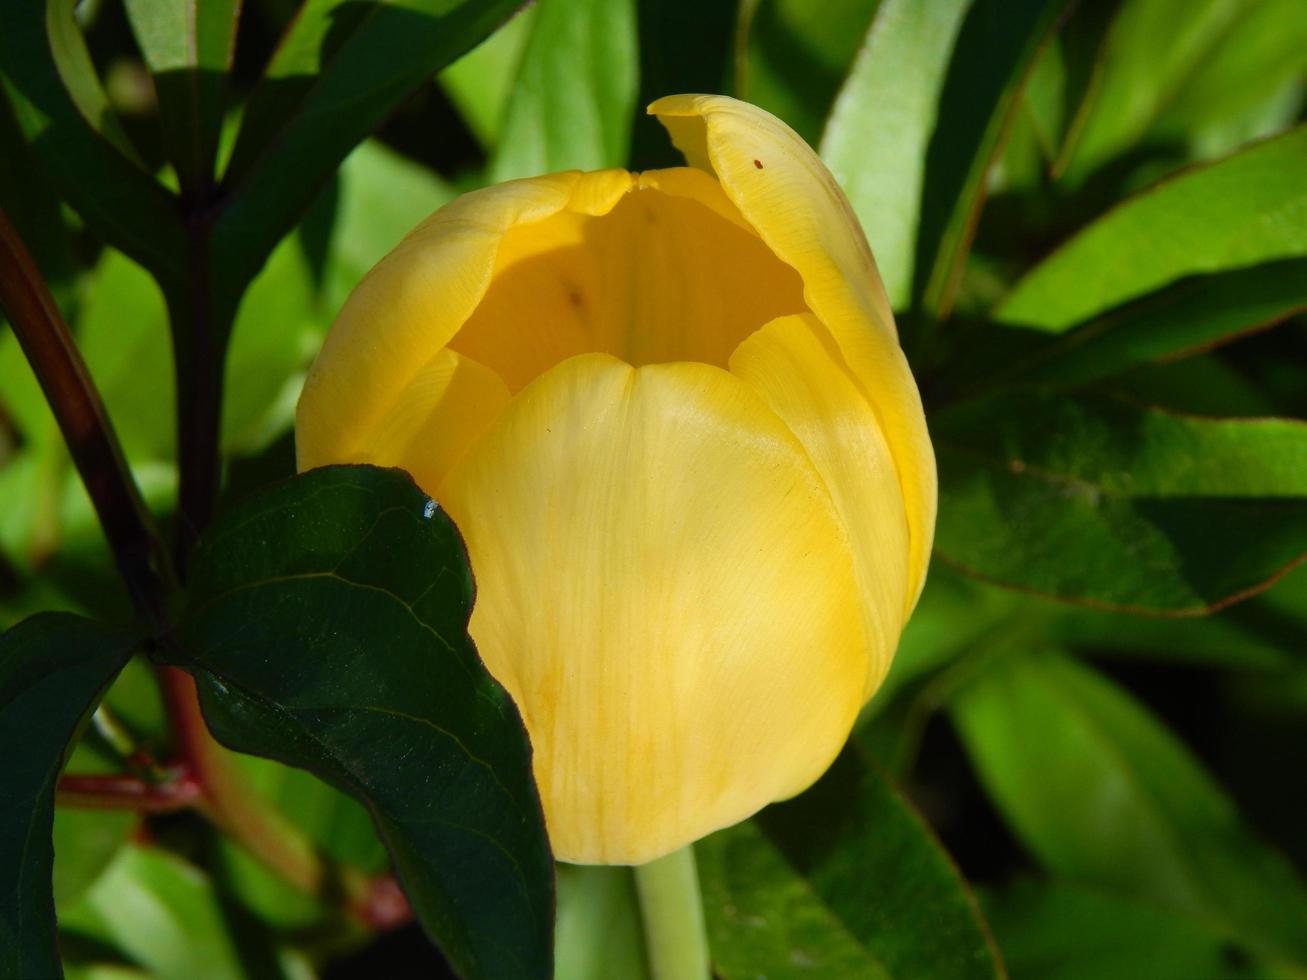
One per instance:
(120, 202)
(1101, 501)
(571, 103)
(920, 122)
(1060, 931)
(1247, 209)
(1250, 83)
(382, 197)
(164, 914)
(1153, 50)
(328, 629)
(479, 82)
(599, 935)
(1101, 792)
(53, 668)
(85, 841)
(793, 55)
(340, 70)
(845, 880)
(188, 45)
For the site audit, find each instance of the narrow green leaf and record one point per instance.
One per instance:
(1100, 791)
(1151, 50)
(793, 55)
(120, 202)
(846, 880)
(480, 81)
(1102, 501)
(1060, 931)
(1187, 317)
(1247, 209)
(341, 69)
(328, 630)
(188, 46)
(53, 668)
(920, 122)
(572, 101)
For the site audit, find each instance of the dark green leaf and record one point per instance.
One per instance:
(846, 880)
(919, 124)
(1247, 209)
(119, 201)
(1185, 318)
(53, 668)
(1102, 501)
(1059, 931)
(188, 46)
(1101, 792)
(328, 630)
(341, 69)
(571, 103)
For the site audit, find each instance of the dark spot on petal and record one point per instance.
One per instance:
(758, 164)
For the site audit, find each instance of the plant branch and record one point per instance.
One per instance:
(62, 374)
(128, 793)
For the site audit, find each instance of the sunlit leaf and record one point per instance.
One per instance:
(1247, 209)
(571, 103)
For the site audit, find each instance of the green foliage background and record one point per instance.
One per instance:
(1091, 218)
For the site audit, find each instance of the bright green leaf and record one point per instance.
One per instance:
(328, 630)
(53, 668)
(571, 103)
(1247, 209)
(188, 46)
(1100, 791)
(479, 82)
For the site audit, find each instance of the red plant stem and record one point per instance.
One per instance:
(128, 793)
(62, 374)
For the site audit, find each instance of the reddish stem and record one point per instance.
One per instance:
(128, 793)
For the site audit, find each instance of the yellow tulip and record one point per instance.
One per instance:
(670, 415)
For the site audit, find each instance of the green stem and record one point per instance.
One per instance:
(672, 910)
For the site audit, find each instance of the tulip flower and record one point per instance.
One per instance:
(670, 415)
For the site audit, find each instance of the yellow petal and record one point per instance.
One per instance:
(793, 363)
(786, 193)
(665, 589)
(416, 298)
(670, 273)
(442, 413)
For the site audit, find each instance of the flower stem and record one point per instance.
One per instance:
(672, 910)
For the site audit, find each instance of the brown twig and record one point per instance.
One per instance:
(49, 347)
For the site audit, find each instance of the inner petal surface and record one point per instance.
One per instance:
(669, 274)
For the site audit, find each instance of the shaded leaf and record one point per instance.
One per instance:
(793, 55)
(1101, 792)
(571, 103)
(120, 202)
(1102, 501)
(480, 81)
(53, 668)
(1247, 209)
(340, 70)
(328, 630)
(846, 880)
(1060, 931)
(188, 46)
